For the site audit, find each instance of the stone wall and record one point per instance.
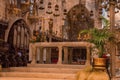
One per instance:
(2, 9)
(58, 22)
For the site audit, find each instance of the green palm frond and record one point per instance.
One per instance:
(99, 36)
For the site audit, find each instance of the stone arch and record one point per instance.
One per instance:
(78, 18)
(10, 25)
(18, 34)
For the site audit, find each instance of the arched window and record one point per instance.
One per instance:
(78, 18)
(19, 36)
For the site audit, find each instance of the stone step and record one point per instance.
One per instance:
(58, 66)
(44, 70)
(19, 78)
(41, 72)
(39, 75)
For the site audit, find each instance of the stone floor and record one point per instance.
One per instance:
(41, 72)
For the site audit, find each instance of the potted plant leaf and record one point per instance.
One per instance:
(99, 37)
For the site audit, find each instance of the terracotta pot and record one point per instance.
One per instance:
(99, 63)
(98, 75)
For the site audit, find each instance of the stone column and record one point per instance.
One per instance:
(30, 51)
(34, 51)
(70, 55)
(41, 55)
(48, 55)
(44, 55)
(38, 54)
(65, 55)
(88, 56)
(60, 55)
(112, 46)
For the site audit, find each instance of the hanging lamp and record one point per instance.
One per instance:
(49, 11)
(57, 13)
(41, 5)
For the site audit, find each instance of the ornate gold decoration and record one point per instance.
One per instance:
(84, 37)
(33, 18)
(16, 11)
(24, 6)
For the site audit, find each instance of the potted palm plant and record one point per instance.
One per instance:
(99, 37)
